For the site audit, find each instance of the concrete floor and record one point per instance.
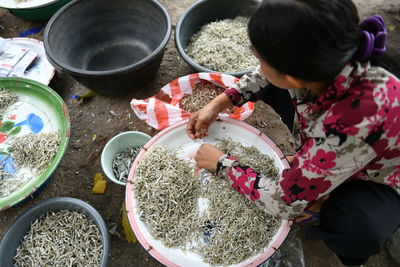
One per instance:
(74, 175)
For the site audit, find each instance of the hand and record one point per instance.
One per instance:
(199, 122)
(315, 207)
(207, 157)
(290, 158)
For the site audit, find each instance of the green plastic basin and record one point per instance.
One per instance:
(36, 98)
(43, 13)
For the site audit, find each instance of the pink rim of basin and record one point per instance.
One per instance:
(161, 257)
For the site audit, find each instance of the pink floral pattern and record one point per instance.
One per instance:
(312, 188)
(392, 125)
(393, 89)
(243, 181)
(324, 159)
(307, 145)
(352, 131)
(297, 187)
(394, 178)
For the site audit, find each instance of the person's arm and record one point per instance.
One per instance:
(318, 168)
(220, 103)
(241, 92)
(247, 87)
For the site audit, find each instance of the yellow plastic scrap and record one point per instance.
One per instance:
(99, 184)
(88, 95)
(129, 235)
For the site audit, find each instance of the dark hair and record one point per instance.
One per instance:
(309, 39)
(390, 61)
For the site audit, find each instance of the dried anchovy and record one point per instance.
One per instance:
(35, 151)
(166, 192)
(232, 228)
(250, 156)
(201, 95)
(32, 151)
(11, 183)
(223, 46)
(236, 228)
(122, 163)
(7, 98)
(4, 175)
(63, 238)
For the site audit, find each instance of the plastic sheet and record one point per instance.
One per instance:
(393, 246)
(290, 253)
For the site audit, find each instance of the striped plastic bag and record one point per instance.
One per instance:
(163, 109)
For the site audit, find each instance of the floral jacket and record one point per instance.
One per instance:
(351, 131)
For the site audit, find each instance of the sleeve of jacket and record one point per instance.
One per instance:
(318, 168)
(247, 87)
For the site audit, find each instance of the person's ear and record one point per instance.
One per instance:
(256, 54)
(294, 82)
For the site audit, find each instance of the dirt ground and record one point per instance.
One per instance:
(108, 116)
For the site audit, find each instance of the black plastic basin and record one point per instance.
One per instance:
(206, 11)
(112, 47)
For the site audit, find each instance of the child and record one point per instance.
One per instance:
(347, 122)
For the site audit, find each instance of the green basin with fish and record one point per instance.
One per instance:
(39, 109)
(41, 13)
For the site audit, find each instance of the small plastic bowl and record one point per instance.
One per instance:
(12, 238)
(117, 144)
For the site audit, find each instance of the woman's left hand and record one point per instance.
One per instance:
(207, 157)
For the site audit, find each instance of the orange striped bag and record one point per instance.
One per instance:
(162, 110)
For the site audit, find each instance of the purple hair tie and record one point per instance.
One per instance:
(374, 36)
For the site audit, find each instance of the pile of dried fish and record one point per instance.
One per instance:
(122, 163)
(35, 151)
(237, 228)
(229, 231)
(223, 46)
(250, 156)
(166, 193)
(7, 98)
(8, 182)
(63, 238)
(202, 94)
(11, 183)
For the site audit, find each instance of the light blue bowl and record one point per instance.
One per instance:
(117, 144)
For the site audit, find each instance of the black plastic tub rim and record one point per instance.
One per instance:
(105, 73)
(52, 205)
(182, 51)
